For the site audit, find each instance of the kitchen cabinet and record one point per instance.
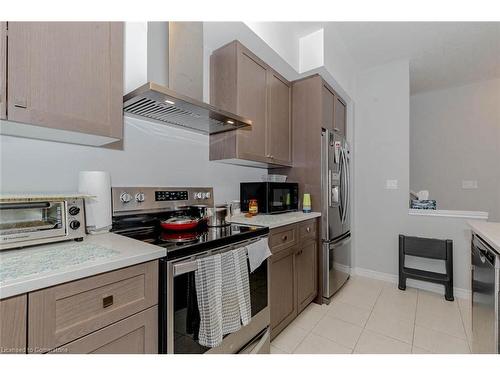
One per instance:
(137, 334)
(328, 101)
(283, 303)
(306, 264)
(242, 83)
(339, 123)
(13, 325)
(294, 276)
(66, 312)
(113, 312)
(66, 76)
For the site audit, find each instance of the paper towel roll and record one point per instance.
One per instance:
(97, 208)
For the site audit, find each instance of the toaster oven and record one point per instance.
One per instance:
(26, 222)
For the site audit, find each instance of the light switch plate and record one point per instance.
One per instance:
(391, 184)
(469, 184)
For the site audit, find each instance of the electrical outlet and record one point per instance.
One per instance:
(469, 184)
(391, 184)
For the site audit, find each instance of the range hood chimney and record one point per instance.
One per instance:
(174, 92)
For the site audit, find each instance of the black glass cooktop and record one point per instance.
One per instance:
(183, 243)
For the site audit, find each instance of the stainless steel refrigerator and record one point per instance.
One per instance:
(336, 218)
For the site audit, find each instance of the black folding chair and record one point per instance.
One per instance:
(427, 248)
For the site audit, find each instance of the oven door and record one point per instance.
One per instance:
(178, 326)
(29, 221)
(282, 197)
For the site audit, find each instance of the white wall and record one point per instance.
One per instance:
(154, 155)
(311, 51)
(381, 152)
(381, 139)
(455, 136)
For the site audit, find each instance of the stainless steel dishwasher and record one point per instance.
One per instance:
(485, 297)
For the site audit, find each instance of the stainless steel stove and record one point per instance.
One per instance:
(138, 213)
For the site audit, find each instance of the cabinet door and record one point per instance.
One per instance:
(339, 123)
(3, 69)
(67, 75)
(13, 325)
(137, 334)
(279, 120)
(328, 107)
(252, 104)
(306, 265)
(283, 301)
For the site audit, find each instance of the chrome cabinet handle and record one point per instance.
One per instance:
(308, 229)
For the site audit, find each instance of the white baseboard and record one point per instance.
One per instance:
(393, 279)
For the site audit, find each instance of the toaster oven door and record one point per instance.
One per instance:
(29, 221)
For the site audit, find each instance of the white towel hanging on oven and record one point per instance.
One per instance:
(208, 280)
(242, 284)
(231, 321)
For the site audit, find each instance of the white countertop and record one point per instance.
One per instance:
(488, 231)
(276, 220)
(37, 267)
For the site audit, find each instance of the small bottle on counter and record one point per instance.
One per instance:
(306, 203)
(253, 207)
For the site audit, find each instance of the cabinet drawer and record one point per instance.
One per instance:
(69, 311)
(137, 334)
(308, 230)
(282, 238)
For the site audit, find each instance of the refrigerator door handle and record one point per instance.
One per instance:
(343, 185)
(347, 184)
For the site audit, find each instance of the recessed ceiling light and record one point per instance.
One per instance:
(230, 122)
(169, 102)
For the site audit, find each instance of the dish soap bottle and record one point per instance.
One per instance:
(306, 203)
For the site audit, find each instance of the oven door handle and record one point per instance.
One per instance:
(186, 267)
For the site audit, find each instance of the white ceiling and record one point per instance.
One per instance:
(441, 54)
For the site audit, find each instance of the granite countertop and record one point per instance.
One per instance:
(276, 220)
(488, 231)
(37, 267)
(28, 197)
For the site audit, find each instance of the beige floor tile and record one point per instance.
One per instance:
(276, 350)
(358, 296)
(341, 332)
(308, 318)
(438, 342)
(465, 307)
(435, 303)
(417, 350)
(314, 344)
(450, 324)
(392, 325)
(349, 313)
(289, 338)
(375, 343)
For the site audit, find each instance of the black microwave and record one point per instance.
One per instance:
(272, 197)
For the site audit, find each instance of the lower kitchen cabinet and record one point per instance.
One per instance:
(306, 262)
(113, 312)
(13, 325)
(283, 293)
(294, 272)
(137, 334)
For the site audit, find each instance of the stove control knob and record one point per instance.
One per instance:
(139, 197)
(198, 195)
(75, 224)
(207, 195)
(125, 197)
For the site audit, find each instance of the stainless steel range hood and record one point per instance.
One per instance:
(160, 104)
(175, 74)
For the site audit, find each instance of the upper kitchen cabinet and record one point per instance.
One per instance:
(65, 76)
(242, 83)
(339, 122)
